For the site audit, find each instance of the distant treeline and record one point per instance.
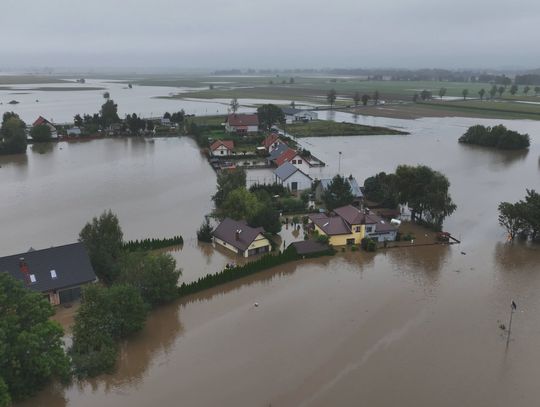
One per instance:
(153, 244)
(231, 274)
(497, 136)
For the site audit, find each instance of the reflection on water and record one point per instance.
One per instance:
(42, 148)
(498, 159)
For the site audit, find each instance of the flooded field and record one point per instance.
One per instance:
(410, 326)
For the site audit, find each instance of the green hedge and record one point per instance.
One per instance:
(266, 262)
(153, 244)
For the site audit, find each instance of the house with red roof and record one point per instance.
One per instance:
(242, 123)
(271, 142)
(284, 157)
(41, 121)
(222, 148)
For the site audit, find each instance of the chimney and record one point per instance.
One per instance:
(23, 268)
(238, 231)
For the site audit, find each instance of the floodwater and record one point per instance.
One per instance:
(409, 326)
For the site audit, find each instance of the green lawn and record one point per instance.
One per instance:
(325, 128)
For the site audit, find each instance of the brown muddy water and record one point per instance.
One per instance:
(411, 326)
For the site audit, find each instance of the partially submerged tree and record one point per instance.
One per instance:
(356, 98)
(365, 99)
(331, 97)
(228, 181)
(442, 92)
(103, 239)
(205, 232)
(109, 113)
(12, 134)
(41, 132)
(234, 105)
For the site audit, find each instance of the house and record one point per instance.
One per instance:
(240, 238)
(292, 177)
(293, 115)
(222, 148)
(74, 131)
(302, 163)
(280, 149)
(271, 142)
(242, 123)
(357, 193)
(284, 157)
(41, 121)
(349, 225)
(58, 272)
(309, 247)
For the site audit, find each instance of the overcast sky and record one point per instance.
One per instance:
(270, 34)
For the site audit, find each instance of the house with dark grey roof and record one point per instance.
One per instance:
(58, 272)
(238, 237)
(356, 191)
(292, 177)
(298, 115)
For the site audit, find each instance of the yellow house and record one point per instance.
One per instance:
(349, 225)
(240, 238)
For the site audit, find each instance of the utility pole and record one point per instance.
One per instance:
(513, 307)
(339, 164)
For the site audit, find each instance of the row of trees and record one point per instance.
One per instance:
(331, 97)
(482, 93)
(496, 136)
(424, 190)
(522, 218)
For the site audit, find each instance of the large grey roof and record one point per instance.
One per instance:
(70, 262)
(280, 149)
(355, 188)
(285, 170)
(290, 110)
(226, 231)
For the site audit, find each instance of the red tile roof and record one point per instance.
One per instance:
(271, 139)
(243, 119)
(229, 144)
(41, 120)
(286, 156)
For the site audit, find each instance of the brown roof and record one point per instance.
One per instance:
(309, 247)
(243, 119)
(286, 156)
(41, 120)
(227, 229)
(331, 225)
(229, 144)
(352, 215)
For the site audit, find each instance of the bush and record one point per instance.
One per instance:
(368, 244)
(291, 205)
(497, 136)
(153, 244)
(322, 239)
(205, 232)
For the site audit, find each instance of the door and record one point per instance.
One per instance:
(294, 186)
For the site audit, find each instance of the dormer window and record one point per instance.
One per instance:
(53, 274)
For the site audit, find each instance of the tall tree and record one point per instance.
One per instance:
(465, 92)
(338, 193)
(356, 98)
(513, 89)
(526, 90)
(31, 346)
(493, 91)
(103, 240)
(365, 99)
(234, 105)
(442, 92)
(331, 97)
(12, 134)
(481, 93)
(109, 113)
(376, 97)
(510, 218)
(228, 181)
(239, 204)
(501, 90)
(269, 115)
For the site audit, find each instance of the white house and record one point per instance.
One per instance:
(292, 177)
(301, 163)
(242, 123)
(296, 115)
(222, 148)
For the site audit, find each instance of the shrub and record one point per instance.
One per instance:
(205, 232)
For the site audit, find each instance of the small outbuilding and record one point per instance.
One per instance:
(222, 148)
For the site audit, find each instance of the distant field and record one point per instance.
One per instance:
(28, 79)
(52, 89)
(325, 128)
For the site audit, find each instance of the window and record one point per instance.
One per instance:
(53, 274)
(294, 161)
(33, 278)
(299, 161)
(357, 229)
(222, 152)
